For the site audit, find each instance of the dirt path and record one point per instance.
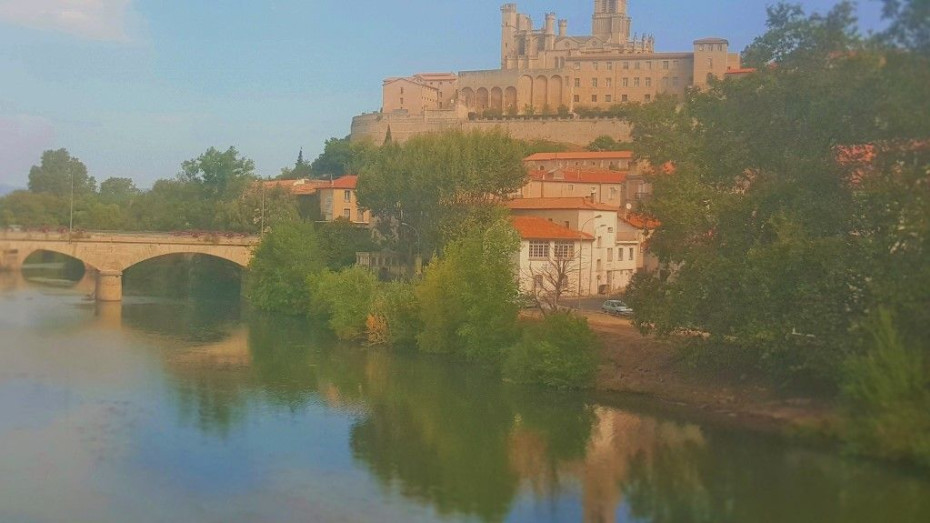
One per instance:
(635, 364)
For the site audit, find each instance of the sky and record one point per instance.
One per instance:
(135, 87)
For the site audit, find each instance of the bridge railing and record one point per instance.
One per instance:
(80, 235)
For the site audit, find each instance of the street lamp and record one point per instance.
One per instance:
(580, 251)
(71, 210)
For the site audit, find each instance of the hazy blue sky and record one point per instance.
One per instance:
(135, 87)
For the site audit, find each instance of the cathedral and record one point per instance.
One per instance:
(547, 71)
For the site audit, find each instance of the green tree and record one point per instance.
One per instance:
(57, 172)
(468, 296)
(283, 267)
(438, 179)
(772, 242)
(300, 170)
(219, 174)
(559, 351)
(607, 143)
(120, 191)
(341, 156)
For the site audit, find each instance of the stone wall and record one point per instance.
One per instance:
(577, 131)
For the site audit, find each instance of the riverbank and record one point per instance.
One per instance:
(635, 364)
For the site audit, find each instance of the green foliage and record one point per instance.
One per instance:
(434, 176)
(341, 156)
(287, 255)
(396, 304)
(219, 174)
(772, 241)
(347, 297)
(300, 170)
(467, 297)
(30, 209)
(910, 24)
(607, 143)
(120, 191)
(58, 172)
(340, 239)
(887, 397)
(559, 351)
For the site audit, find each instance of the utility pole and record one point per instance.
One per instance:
(71, 210)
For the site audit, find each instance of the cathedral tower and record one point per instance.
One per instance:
(610, 22)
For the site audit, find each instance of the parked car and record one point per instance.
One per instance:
(616, 308)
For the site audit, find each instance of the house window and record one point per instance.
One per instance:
(636, 82)
(609, 82)
(347, 214)
(635, 65)
(610, 255)
(539, 250)
(594, 98)
(577, 98)
(626, 65)
(577, 82)
(613, 194)
(664, 64)
(594, 65)
(347, 195)
(594, 82)
(620, 254)
(608, 98)
(631, 253)
(610, 66)
(648, 97)
(649, 64)
(599, 240)
(401, 100)
(623, 98)
(648, 82)
(401, 90)
(626, 82)
(564, 250)
(610, 230)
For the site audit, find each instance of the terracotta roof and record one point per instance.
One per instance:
(569, 175)
(536, 228)
(580, 155)
(299, 187)
(564, 203)
(641, 221)
(741, 70)
(349, 181)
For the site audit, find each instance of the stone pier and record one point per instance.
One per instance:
(109, 286)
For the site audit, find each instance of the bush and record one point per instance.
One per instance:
(287, 255)
(467, 297)
(560, 351)
(887, 398)
(395, 319)
(347, 298)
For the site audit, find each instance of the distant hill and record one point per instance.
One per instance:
(6, 189)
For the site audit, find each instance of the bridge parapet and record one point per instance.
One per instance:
(111, 253)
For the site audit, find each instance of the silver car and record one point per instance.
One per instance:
(616, 308)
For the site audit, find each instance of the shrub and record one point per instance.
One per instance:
(287, 255)
(347, 297)
(395, 317)
(887, 398)
(559, 351)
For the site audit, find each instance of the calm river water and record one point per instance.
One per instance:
(161, 410)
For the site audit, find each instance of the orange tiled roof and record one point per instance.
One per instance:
(741, 70)
(570, 175)
(580, 155)
(641, 221)
(349, 181)
(536, 228)
(564, 203)
(300, 187)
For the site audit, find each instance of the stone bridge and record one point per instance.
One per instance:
(111, 253)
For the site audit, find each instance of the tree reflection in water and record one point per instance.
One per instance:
(454, 437)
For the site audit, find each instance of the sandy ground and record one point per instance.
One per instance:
(634, 364)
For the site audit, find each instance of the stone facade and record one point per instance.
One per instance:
(545, 71)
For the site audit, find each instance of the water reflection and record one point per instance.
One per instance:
(275, 413)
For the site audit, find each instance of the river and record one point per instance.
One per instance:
(174, 410)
